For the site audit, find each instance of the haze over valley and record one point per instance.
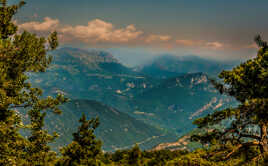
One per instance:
(158, 95)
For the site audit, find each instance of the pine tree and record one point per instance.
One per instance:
(85, 149)
(246, 134)
(134, 156)
(21, 54)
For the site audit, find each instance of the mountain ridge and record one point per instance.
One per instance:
(166, 66)
(113, 125)
(164, 103)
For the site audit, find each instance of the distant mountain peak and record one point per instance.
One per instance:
(167, 65)
(80, 60)
(96, 56)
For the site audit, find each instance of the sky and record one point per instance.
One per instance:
(219, 29)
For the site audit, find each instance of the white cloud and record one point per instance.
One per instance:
(100, 31)
(96, 31)
(157, 38)
(47, 25)
(214, 45)
(200, 43)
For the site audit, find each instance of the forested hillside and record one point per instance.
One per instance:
(163, 103)
(113, 125)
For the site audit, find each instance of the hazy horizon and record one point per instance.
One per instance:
(136, 31)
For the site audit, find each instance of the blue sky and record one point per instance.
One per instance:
(207, 27)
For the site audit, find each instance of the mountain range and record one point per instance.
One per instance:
(165, 66)
(155, 106)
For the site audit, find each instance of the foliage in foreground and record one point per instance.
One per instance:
(246, 135)
(20, 54)
(85, 149)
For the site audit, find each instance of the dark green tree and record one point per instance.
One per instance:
(245, 133)
(135, 156)
(85, 148)
(21, 54)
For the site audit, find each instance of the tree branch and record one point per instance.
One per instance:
(20, 106)
(250, 136)
(240, 146)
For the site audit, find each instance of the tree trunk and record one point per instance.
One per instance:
(264, 141)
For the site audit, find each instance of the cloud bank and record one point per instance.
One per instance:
(157, 38)
(96, 31)
(47, 25)
(200, 43)
(99, 32)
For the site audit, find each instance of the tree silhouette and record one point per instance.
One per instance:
(248, 84)
(21, 54)
(85, 148)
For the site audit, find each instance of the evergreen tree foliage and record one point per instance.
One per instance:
(21, 54)
(135, 156)
(246, 135)
(85, 148)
